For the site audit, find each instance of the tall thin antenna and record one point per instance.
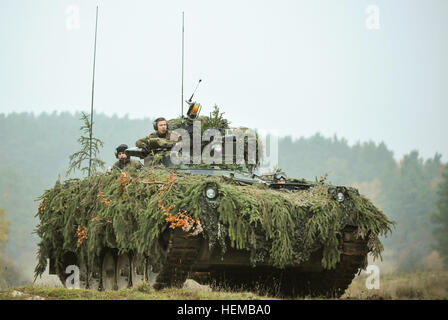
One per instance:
(182, 90)
(93, 90)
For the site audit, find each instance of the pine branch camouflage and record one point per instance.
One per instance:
(120, 210)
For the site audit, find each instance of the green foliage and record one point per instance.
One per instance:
(9, 273)
(17, 193)
(411, 203)
(4, 230)
(441, 217)
(122, 211)
(215, 120)
(90, 147)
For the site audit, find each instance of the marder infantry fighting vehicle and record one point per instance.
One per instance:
(218, 223)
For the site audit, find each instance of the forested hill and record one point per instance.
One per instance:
(35, 149)
(43, 143)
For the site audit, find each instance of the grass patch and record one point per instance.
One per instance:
(141, 292)
(428, 285)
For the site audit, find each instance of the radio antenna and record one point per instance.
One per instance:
(93, 90)
(195, 90)
(182, 89)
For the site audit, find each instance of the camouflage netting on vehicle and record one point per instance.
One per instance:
(215, 120)
(243, 139)
(129, 211)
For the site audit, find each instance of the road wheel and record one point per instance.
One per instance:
(108, 271)
(123, 271)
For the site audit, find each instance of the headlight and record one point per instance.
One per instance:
(340, 197)
(211, 193)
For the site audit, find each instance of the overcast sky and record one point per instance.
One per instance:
(364, 70)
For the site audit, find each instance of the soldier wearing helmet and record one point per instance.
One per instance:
(280, 178)
(123, 160)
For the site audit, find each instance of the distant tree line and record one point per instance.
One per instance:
(441, 217)
(4, 230)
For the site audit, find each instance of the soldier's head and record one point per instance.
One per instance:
(280, 178)
(120, 152)
(160, 125)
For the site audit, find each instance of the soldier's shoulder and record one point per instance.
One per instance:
(173, 135)
(136, 163)
(152, 135)
(116, 165)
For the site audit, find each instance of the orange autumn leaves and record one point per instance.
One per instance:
(103, 198)
(170, 180)
(123, 180)
(81, 234)
(41, 207)
(180, 219)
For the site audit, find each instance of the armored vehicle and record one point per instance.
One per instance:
(218, 223)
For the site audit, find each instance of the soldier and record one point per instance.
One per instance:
(123, 160)
(280, 178)
(158, 140)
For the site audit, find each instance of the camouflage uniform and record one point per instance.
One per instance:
(122, 164)
(155, 142)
